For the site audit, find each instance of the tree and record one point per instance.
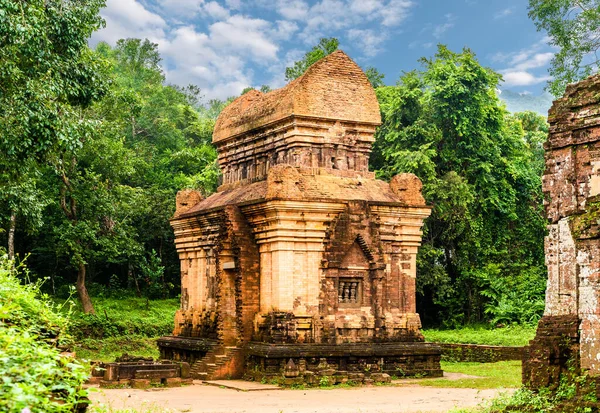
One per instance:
(574, 27)
(117, 190)
(375, 77)
(446, 124)
(48, 76)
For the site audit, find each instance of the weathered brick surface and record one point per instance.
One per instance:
(570, 328)
(300, 245)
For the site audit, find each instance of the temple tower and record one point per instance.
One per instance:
(301, 256)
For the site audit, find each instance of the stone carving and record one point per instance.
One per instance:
(301, 257)
(570, 327)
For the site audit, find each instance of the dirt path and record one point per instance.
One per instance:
(210, 399)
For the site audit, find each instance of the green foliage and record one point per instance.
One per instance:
(375, 77)
(122, 317)
(107, 201)
(23, 306)
(512, 335)
(572, 395)
(482, 253)
(47, 74)
(573, 27)
(34, 373)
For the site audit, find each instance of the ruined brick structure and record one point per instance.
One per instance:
(569, 332)
(302, 262)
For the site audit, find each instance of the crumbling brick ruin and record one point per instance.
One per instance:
(569, 332)
(302, 265)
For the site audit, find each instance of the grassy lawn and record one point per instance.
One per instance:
(514, 335)
(502, 374)
(108, 349)
(125, 325)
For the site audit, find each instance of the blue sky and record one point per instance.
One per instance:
(224, 46)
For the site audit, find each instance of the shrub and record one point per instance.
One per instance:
(34, 374)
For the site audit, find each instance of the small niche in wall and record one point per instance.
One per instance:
(350, 292)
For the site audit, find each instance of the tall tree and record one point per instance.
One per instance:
(446, 124)
(574, 27)
(48, 76)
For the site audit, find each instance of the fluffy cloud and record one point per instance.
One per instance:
(219, 46)
(367, 40)
(292, 9)
(523, 65)
(215, 10)
(522, 78)
(326, 15)
(182, 5)
(128, 18)
(244, 35)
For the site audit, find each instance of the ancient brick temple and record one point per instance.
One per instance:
(302, 264)
(569, 332)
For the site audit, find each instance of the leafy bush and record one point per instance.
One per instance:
(34, 373)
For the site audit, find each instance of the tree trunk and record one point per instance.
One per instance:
(11, 235)
(84, 297)
(133, 277)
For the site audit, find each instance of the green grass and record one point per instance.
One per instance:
(514, 335)
(122, 325)
(125, 317)
(502, 374)
(108, 349)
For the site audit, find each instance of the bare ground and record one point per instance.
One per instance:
(212, 399)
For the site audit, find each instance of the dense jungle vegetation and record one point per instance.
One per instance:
(95, 144)
(89, 181)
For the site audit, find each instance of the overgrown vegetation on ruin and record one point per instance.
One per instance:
(482, 254)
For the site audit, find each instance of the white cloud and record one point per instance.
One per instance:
(215, 10)
(523, 65)
(285, 29)
(217, 44)
(234, 4)
(395, 12)
(364, 6)
(504, 13)
(326, 16)
(181, 8)
(367, 40)
(128, 18)
(292, 9)
(522, 78)
(440, 29)
(244, 35)
(533, 61)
